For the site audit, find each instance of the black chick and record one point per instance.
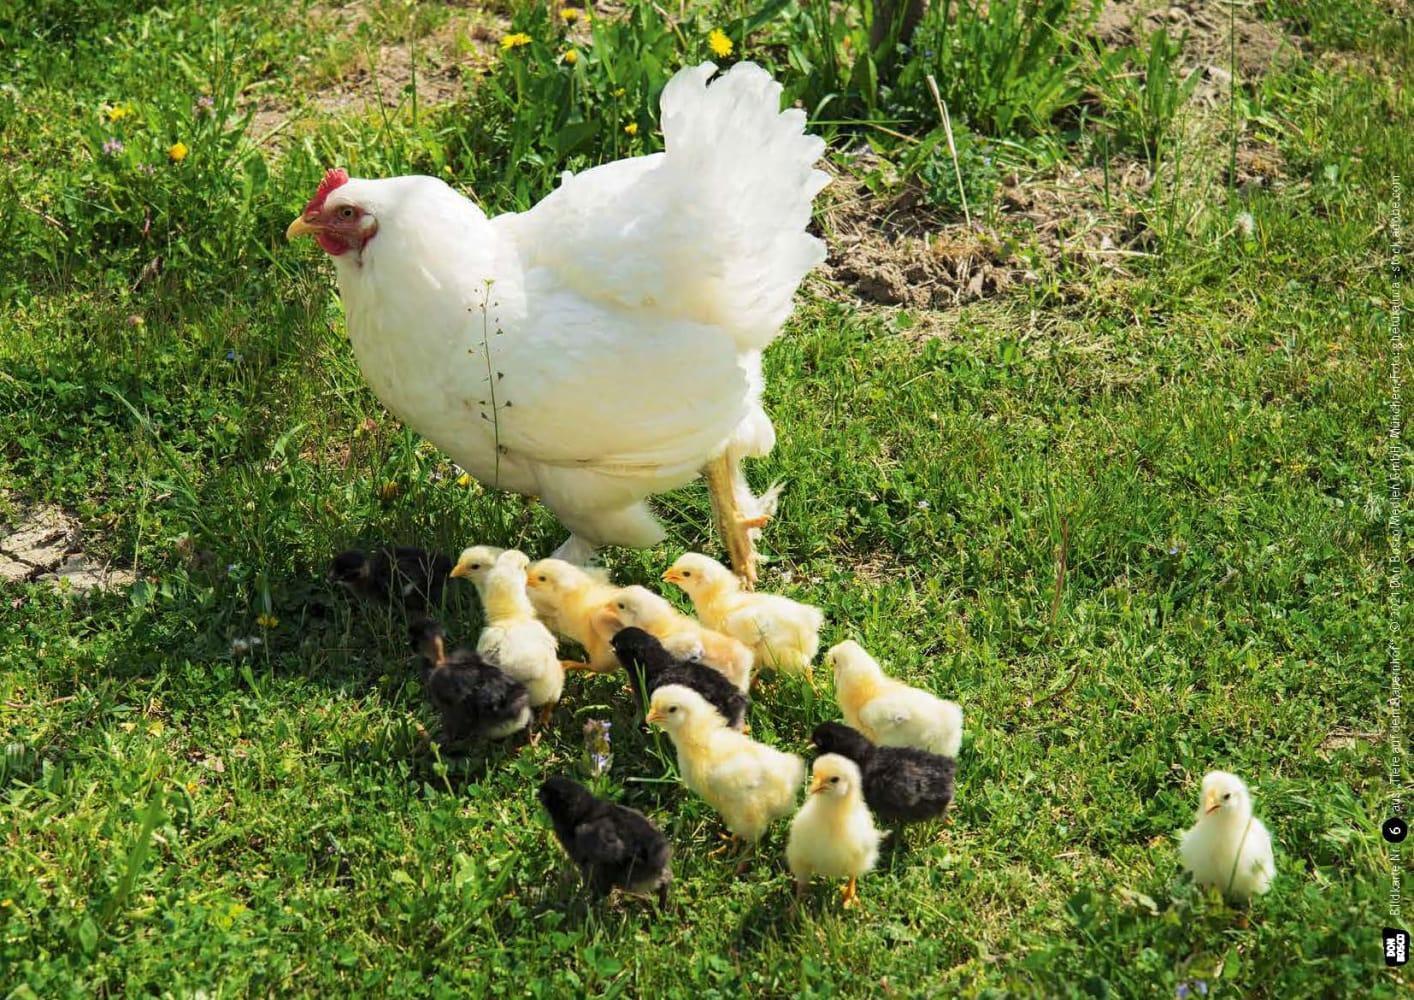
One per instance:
(474, 698)
(901, 784)
(409, 576)
(650, 667)
(613, 845)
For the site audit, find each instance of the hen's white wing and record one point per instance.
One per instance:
(712, 231)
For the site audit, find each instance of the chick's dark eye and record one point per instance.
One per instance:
(542, 579)
(834, 781)
(622, 608)
(1227, 796)
(672, 709)
(687, 572)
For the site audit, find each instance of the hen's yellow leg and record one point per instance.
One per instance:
(734, 527)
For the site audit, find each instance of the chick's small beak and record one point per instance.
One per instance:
(299, 228)
(671, 576)
(459, 571)
(1211, 803)
(653, 717)
(531, 581)
(817, 785)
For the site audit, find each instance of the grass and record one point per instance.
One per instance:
(1206, 430)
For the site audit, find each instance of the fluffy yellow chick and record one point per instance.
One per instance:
(1228, 847)
(474, 565)
(680, 635)
(889, 712)
(514, 639)
(749, 784)
(833, 834)
(782, 634)
(566, 597)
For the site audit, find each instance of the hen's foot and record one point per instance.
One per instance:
(734, 527)
(575, 550)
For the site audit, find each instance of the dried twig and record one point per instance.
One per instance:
(952, 147)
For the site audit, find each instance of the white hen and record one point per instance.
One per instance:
(624, 315)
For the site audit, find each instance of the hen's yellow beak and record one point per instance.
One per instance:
(299, 228)
(653, 717)
(817, 784)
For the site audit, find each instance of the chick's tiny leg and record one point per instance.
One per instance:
(735, 528)
(546, 710)
(748, 855)
(851, 892)
(571, 665)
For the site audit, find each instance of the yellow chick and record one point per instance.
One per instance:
(514, 639)
(1228, 846)
(750, 784)
(782, 634)
(680, 635)
(474, 565)
(833, 834)
(889, 712)
(566, 597)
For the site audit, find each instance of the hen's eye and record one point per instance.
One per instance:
(347, 212)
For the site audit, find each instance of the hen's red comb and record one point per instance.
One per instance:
(334, 178)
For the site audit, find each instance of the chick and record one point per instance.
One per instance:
(412, 577)
(782, 634)
(833, 834)
(650, 667)
(679, 634)
(889, 712)
(566, 597)
(514, 639)
(473, 697)
(613, 845)
(749, 784)
(901, 784)
(1228, 847)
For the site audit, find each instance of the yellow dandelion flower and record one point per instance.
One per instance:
(464, 480)
(570, 57)
(118, 112)
(619, 92)
(266, 621)
(514, 41)
(177, 152)
(631, 128)
(570, 14)
(719, 43)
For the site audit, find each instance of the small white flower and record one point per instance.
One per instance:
(922, 505)
(1246, 225)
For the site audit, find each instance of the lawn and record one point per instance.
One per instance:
(1103, 453)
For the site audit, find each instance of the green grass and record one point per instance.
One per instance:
(1208, 430)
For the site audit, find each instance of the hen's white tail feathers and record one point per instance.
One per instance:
(745, 170)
